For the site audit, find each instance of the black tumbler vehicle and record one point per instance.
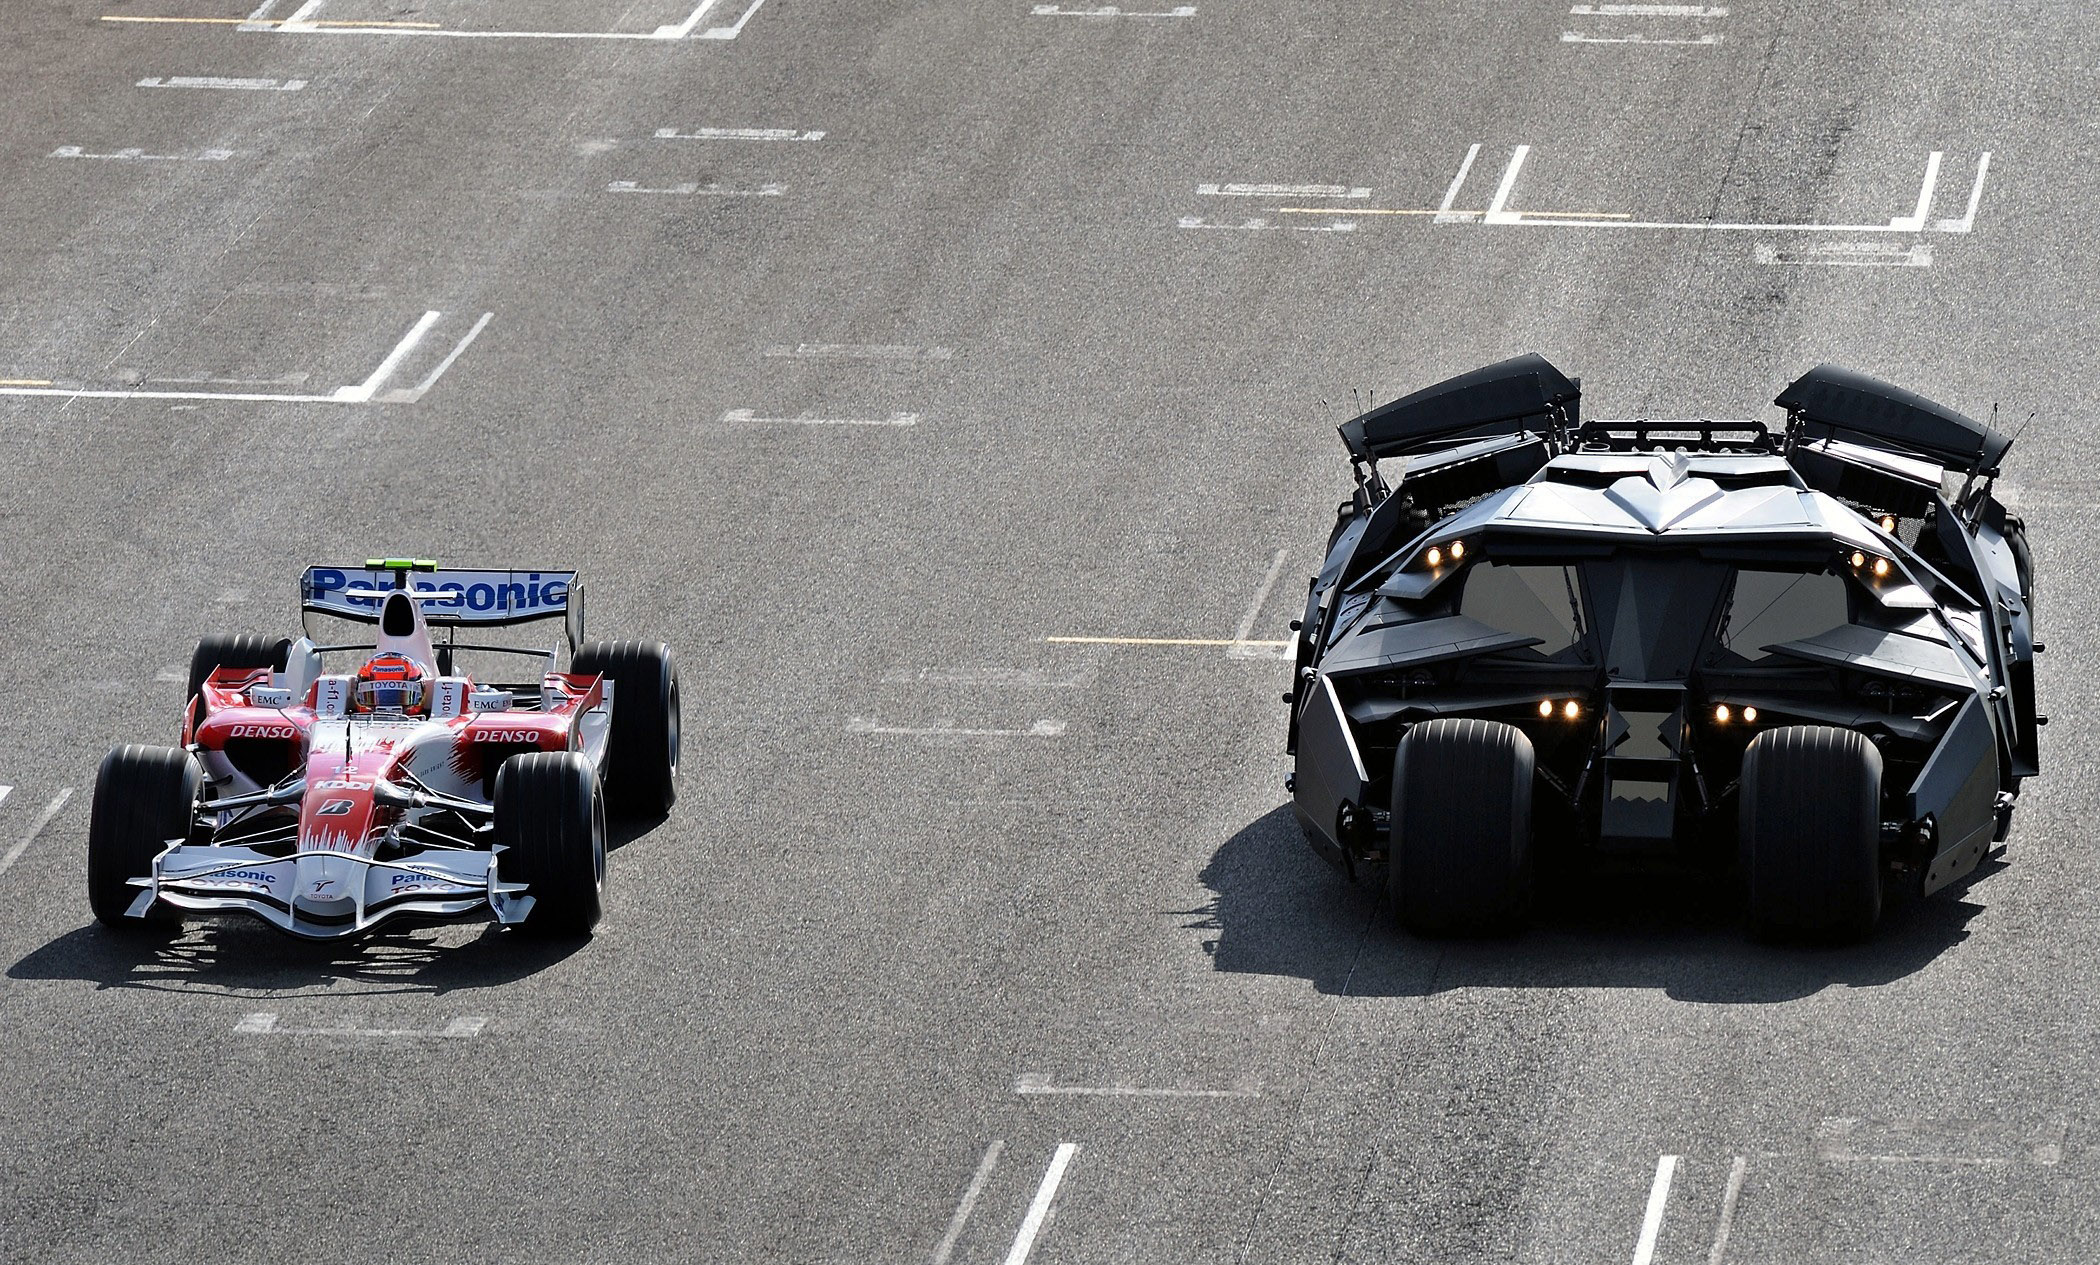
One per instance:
(1808, 651)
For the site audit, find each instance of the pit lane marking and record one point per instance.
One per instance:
(362, 393)
(1108, 11)
(141, 156)
(1040, 729)
(1498, 213)
(1577, 37)
(1658, 1204)
(894, 419)
(1648, 11)
(737, 134)
(36, 828)
(251, 24)
(946, 1247)
(1259, 224)
(1281, 191)
(236, 85)
(1039, 1207)
(859, 351)
(1030, 1084)
(304, 22)
(691, 190)
(263, 1023)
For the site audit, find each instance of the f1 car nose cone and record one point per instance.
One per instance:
(325, 885)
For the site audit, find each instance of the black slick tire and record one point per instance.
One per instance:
(1459, 862)
(550, 823)
(641, 765)
(1810, 834)
(144, 796)
(239, 650)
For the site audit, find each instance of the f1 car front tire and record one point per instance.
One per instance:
(1810, 829)
(641, 768)
(144, 797)
(550, 821)
(239, 650)
(1460, 856)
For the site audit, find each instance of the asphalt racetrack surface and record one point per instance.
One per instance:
(862, 351)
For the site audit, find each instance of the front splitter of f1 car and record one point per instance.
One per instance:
(327, 895)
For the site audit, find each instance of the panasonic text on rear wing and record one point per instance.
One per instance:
(447, 596)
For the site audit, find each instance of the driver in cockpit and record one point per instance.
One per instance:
(391, 683)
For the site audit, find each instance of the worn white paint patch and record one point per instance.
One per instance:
(1649, 11)
(700, 190)
(141, 156)
(859, 351)
(1577, 37)
(231, 85)
(946, 1247)
(737, 134)
(1035, 1084)
(1261, 224)
(1851, 255)
(1977, 1142)
(203, 379)
(1730, 1196)
(1040, 729)
(36, 828)
(749, 415)
(263, 1023)
(1281, 191)
(1110, 11)
(1004, 678)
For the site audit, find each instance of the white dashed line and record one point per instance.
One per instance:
(1039, 1207)
(737, 134)
(36, 828)
(894, 419)
(1648, 11)
(263, 1023)
(1577, 37)
(141, 156)
(1034, 1084)
(859, 351)
(1108, 11)
(1260, 224)
(946, 1247)
(700, 190)
(1040, 729)
(1280, 191)
(233, 85)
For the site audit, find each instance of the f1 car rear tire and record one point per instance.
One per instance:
(1460, 855)
(641, 768)
(550, 821)
(144, 796)
(238, 650)
(1810, 828)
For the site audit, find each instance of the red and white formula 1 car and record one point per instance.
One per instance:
(327, 802)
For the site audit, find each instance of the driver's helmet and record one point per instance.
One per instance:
(390, 682)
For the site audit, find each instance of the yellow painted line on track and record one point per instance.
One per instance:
(1529, 215)
(1159, 641)
(417, 26)
(25, 382)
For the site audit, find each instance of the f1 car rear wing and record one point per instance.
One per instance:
(481, 598)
